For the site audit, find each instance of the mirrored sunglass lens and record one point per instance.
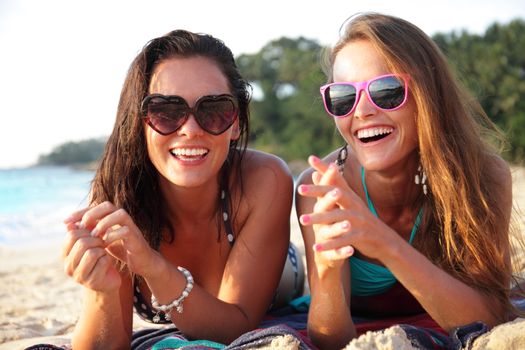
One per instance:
(166, 116)
(388, 92)
(215, 116)
(340, 99)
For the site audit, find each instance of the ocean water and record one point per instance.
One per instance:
(34, 202)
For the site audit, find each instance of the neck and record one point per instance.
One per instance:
(393, 188)
(190, 203)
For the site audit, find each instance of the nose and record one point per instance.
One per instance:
(364, 107)
(190, 128)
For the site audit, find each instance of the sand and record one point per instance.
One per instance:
(39, 303)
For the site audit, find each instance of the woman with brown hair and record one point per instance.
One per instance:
(183, 216)
(412, 215)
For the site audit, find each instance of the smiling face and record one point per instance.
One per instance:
(190, 156)
(380, 139)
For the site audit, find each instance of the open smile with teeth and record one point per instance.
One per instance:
(373, 134)
(189, 153)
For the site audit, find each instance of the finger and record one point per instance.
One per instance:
(78, 251)
(96, 213)
(333, 244)
(118, 218)
(87, 264)
(316, 177)
(76, 216)
(325, 217)
(115, 235)
(318, 164)
(329, 232)
(313, 190)
(71, 237)
(327, 202)
(341, 253)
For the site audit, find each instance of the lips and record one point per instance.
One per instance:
(373, 134)
(189, 154)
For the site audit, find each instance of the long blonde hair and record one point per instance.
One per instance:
(457, 152)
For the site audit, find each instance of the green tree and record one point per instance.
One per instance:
(492, 66)
(74, 153)
(288, 118)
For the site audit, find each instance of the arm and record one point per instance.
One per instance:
(450, 301)
(330, 324)
(105, 321)
(254, 265)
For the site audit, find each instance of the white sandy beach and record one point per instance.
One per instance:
(39, 302)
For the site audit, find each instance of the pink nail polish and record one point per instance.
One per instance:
(318, 247)
(305, 219)
(303, 188)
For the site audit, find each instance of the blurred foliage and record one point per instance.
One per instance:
(492, 67)
(287, 114)
(75, 153)
(288, 117)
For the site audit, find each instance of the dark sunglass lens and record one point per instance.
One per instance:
(215, 115)
(340, 99)
(166, 116)
(388, 92)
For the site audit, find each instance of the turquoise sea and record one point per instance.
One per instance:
(34, 201)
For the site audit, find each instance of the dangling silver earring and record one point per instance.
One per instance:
(421, 179)
(341, 158)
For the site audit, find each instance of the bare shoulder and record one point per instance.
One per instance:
(258, 164)
(265, 173)
(500, 168)
(500, 182)
(499, 174)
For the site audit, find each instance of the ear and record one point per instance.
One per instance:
(236, 132)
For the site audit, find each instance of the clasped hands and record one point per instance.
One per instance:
(341, 221)
(96, 237)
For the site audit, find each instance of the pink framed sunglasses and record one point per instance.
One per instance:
(387, 92)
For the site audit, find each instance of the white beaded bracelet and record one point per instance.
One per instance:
(177, 303)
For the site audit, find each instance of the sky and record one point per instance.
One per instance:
(63, 62)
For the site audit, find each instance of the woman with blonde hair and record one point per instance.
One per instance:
(411, 217)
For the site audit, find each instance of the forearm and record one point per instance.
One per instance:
(204, 316)
(449, 301)
(330, 324)
(101, 323)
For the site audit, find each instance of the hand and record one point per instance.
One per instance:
(86, 260)
(340, 219)
(121, 237)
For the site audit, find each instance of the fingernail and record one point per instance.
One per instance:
(305, 219)
(334, 193)
(345, 225)
(81, 225)
(318, 247)
(94, 233)
(314, 159)
(303, 188)
(348, 250)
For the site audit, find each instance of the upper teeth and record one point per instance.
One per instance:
(364, 133)
(189, 151)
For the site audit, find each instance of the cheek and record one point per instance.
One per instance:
(344, 127)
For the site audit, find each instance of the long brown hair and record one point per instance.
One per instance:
(126, 177)
(457, 152)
